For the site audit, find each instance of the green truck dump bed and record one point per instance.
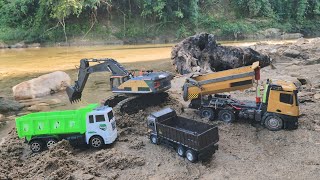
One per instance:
(53, 123)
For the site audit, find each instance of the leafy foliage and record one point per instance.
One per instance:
(53, 20)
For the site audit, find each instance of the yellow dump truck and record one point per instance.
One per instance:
(279, 107)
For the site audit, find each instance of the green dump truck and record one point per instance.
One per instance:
(91, 125)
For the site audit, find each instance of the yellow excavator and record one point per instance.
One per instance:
(279, 108)
(132, 92)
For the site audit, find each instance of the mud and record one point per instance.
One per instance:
(245, 151)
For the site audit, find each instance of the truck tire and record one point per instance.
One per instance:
(191, 155)
(96, 142)
(226, 116)
(51, 142)
(154, 139)
(273, 123)
(36, 146)
(181, 151)
(207, 113)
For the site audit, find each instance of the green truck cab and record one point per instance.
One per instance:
(91, 125)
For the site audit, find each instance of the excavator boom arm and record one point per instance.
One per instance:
(104, 65)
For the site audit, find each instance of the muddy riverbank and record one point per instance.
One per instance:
(245, 151)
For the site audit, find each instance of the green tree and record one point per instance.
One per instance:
(61, 9)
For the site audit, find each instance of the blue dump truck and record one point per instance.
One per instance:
(191, 139)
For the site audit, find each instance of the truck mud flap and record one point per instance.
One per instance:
(206, 153)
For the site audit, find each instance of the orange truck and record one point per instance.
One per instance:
(279, 108)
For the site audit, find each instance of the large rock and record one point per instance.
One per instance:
(7, 105)
(201, 53)
(42, 86)
(291, 53)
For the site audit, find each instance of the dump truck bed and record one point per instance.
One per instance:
(219, 82)
(193, 134)
(53, 123)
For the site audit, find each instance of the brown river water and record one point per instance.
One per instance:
(14, 62)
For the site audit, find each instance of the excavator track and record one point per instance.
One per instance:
(125, 104)
(114, 100)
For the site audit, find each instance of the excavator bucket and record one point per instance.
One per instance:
(74, 96)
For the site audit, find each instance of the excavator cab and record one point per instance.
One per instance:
(116, 81)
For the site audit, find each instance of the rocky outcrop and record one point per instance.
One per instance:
(201, 53)
(42, 86)
(7, 105)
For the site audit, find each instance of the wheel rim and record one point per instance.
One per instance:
(206, 114)
(180, 151)
(226, 117)
(189, 156)
(35, 147)
(274, 123)
(154, 140)
(96, 142)
(50, 143)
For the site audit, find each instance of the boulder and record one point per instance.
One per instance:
(291, 53)
(42, 86)
(7, 105)
(201, 53)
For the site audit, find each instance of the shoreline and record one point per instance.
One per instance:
(118, 42)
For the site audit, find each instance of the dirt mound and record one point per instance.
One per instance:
(113, 159)
(201, 53)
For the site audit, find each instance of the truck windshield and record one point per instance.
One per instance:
(286, 98)
(100, 118)
(110, 115)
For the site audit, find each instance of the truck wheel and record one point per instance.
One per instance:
(226, 116)
(51, 143)
(154, 139)
(96, 142)
(181, 151)
(191, 155)
(36, 146)
(273, 123)
(207, 113)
